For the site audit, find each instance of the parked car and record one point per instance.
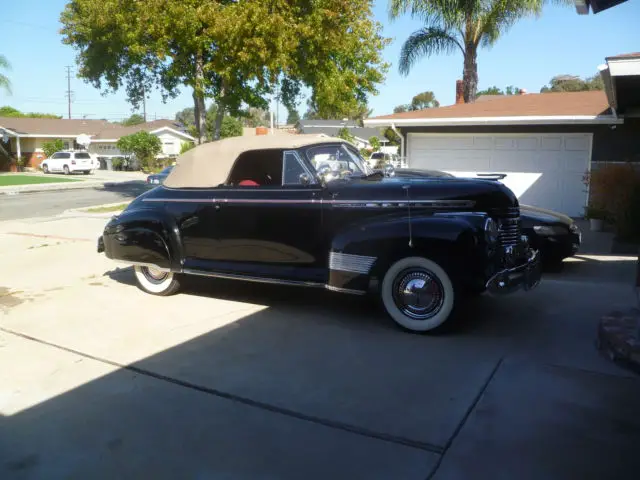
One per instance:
(264, 210)
(555, 235)
(68, 162)
(159, 178)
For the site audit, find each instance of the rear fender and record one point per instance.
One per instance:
(144, 236)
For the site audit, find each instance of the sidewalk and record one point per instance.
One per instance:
(101, 178)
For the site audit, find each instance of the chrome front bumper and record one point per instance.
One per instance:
(526, 276)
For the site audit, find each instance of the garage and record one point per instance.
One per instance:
(545, 170)
(543, 142)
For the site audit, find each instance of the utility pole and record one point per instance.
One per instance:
(144, 104)
(69, 92)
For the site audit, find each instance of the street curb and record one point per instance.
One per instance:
(82, 211)
(53, 187)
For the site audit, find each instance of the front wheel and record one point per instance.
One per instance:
(418, 294)
(45, 169)
(155, 281)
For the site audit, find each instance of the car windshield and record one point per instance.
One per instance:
(377, 156)
(344, 160)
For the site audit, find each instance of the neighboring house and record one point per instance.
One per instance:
(545, 143)
(25, 136)
(361, 135)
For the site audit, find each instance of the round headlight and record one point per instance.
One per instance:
(491, 231)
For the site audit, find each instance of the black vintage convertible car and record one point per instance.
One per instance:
(306, 210)
(555, 235)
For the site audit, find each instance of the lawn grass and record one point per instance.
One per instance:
(9, 180)
(112, 208)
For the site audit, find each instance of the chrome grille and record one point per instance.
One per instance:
(509, 229)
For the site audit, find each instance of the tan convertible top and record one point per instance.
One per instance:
(208, 165)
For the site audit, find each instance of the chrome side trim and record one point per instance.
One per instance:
(350, 291)
(334, 203)
(142, 264)
(233, 276)
(350, 263)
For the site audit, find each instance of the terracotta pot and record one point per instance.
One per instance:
(262, 131)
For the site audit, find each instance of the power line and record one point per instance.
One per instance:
(69, 92)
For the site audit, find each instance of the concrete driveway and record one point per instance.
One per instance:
(233, 380)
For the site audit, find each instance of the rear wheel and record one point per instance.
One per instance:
(155, 281)
(66, 170)
(418, 294)
(86, 172)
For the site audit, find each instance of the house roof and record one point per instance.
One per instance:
(53, 126)
(364, 133)
(327, 123)
(532, 108)
(96, 129)
(625, 56)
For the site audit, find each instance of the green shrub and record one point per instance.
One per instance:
(49, 148)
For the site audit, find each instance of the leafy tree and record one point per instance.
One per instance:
(135, 119)
(510, 90)
(394, 139)
(407, 107)
(293, 116)
(143, 145)
(256, 117)
(464, 25)
(186, 117)
(12, 112)
(231, 127)
(53, 146)
(5, 83)
(186, 146)
(345, 134)
(569, 83)
(375, 143)
(236, 53)
(424, 100)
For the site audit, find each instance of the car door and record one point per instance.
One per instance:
(62, 159)
(53, 163)
(266, 221)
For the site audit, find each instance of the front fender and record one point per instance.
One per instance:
(145, 236)
(364, 251)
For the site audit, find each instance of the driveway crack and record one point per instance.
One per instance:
(466, 416)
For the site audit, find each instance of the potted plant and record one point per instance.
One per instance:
(596, 217)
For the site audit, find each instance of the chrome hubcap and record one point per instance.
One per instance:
(418, 293)
(154, 275)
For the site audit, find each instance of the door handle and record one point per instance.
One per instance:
(217, 207)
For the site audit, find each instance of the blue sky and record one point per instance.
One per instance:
(532, 52)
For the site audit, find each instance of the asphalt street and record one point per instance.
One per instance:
(41, 204)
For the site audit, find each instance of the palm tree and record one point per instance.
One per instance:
(4, 80)
(464, 25)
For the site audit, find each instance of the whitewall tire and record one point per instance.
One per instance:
(418, 294)
(155, 281)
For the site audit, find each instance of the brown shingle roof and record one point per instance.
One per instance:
(97, 129)
(53, 126)
(625, 56)
(532, 104)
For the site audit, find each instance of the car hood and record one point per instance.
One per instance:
(484, 193)
(542, 215)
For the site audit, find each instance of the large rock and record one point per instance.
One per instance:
(619, 337)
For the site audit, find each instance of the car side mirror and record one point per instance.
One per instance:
(305, 179)
(324, 172)
(389, 170)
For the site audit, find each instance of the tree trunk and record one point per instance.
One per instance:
(470, 73)
(198, 100)
(219, 112)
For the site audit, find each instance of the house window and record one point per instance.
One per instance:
(65, 145)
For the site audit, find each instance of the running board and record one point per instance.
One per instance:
(272, 281)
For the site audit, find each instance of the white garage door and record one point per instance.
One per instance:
(544, 170)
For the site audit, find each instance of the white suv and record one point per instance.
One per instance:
(69, 162)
